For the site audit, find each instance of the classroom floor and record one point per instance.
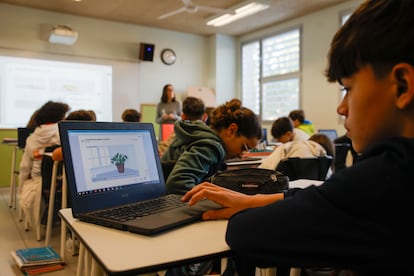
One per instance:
(13, 236)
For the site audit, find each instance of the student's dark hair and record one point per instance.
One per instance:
(93, 114)
(298, 114)
(325, 142)
(193, 108)
(234, 112)
(131, 115)
(379, 33)
(51, 112)
(280, 126)
(80, 115)
(164, 96)
(32, 121)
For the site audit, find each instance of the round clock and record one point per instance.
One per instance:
(168, 56)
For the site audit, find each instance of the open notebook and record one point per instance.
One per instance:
(112, 168)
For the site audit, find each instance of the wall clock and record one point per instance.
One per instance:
(168, 56)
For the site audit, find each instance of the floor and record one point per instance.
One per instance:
(13, 236)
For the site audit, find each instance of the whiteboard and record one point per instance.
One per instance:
(27, 83)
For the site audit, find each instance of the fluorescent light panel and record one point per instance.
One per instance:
(243, 11)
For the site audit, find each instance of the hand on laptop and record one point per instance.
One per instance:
(232, 201)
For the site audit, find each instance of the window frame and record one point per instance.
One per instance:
(277, 77)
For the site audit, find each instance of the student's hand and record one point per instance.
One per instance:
(232, 201)
(171, 116)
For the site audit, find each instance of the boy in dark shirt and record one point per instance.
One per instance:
(360, 219)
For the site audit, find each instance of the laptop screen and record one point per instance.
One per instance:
(110, 164)
(331, 133)
(112, 159)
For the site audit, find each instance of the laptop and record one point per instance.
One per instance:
(115, 166)
(331, 133)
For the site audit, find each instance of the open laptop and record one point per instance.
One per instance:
(331, 133)
(98, 187)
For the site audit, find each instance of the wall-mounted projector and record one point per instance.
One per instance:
(63, 34)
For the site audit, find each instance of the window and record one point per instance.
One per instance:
(271, 74)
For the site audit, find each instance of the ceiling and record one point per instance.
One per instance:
(145, 12)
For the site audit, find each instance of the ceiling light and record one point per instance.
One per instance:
(240, 11)
(63, 34)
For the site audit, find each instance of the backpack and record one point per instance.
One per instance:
(251, 181)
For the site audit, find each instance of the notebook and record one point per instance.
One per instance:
(331, 133)
(113, 165)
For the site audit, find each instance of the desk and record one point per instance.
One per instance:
(14, 172)
(119, 252)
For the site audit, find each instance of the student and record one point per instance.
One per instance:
(131, 115)
(193, 110)
(200, 150)
(284, 131)
(300, 122)
(317, 145)
(45, 134)
(360, 219)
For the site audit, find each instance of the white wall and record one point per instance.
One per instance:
(319, 98)
(24, 32)
(203, 61)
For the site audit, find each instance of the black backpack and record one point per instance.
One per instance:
(251, 180)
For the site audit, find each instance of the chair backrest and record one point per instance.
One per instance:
(22, 134)
(305, 168)
(166, 130)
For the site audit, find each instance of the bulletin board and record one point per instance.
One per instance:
(148, 115)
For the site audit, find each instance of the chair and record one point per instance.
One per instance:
(305, 168)
(166, 130)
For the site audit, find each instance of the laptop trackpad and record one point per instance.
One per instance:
(170, 219)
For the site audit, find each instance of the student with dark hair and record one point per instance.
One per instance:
(81, 115)
(300, 122)
(284, 131)
(360, 218)
(317, 145)
(200, 150)
(131, 115)
(45, 134)
(193, 110)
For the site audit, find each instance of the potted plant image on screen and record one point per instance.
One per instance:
(119, 161)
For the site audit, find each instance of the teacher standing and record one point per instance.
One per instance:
(168, 109)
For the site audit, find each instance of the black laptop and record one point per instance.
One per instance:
(115, 178)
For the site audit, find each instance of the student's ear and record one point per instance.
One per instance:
(205, 117)
(404, 75)
(232, 129)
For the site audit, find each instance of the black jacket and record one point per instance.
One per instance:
(360, 219)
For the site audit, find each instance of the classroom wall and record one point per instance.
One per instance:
(211, 61)
(24, 32)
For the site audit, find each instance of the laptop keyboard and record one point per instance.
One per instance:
(141, 209)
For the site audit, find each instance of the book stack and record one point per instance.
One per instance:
(35, 261)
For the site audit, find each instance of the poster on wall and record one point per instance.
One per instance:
(207, 94)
